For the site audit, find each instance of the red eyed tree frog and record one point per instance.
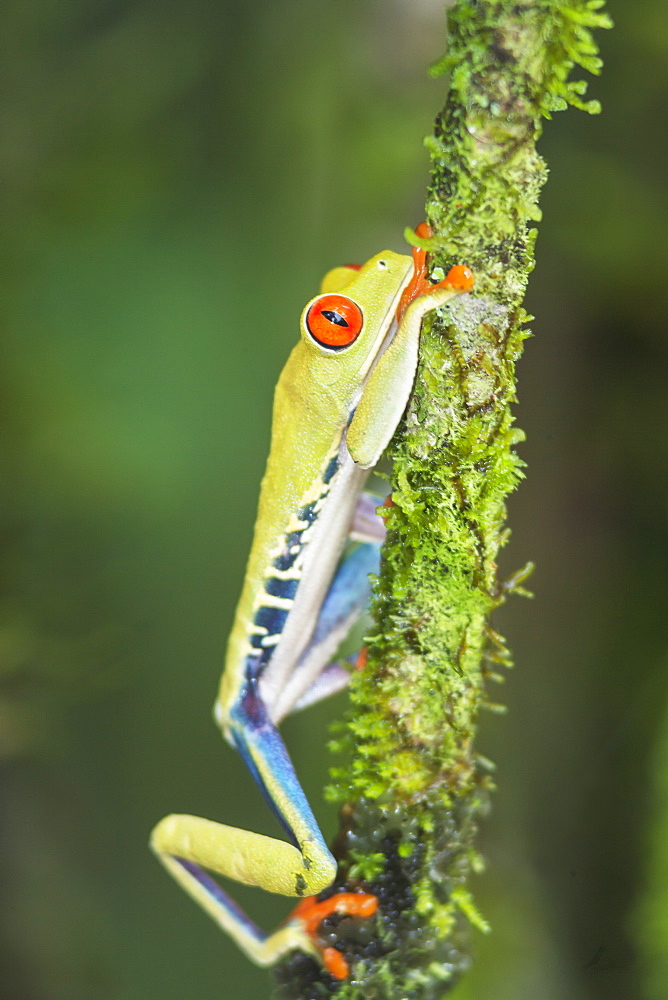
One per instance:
(317, 539)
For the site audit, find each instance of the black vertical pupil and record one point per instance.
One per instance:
(335, 317)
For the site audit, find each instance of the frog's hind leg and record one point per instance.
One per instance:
(190, 847)
(262, 948)
(302, 867)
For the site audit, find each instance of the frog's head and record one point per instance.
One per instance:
(346, 325)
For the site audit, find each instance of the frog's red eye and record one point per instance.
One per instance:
(334, 321)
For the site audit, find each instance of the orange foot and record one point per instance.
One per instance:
(459, 276)
(311, 914)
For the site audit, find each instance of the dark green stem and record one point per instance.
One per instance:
(413, 786)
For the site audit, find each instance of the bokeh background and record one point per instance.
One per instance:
(175, 178)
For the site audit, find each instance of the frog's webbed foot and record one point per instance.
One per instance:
(310, 913)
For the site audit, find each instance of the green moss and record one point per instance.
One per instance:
(412, 785)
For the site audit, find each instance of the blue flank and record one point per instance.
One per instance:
(281, 588)
(273, 619)
(331, 470)
(293, 545)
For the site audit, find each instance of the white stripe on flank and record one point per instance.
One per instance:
(293, 573)
(271, 601)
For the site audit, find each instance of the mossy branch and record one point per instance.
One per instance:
(412, 787)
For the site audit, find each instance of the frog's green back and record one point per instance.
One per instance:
(315, 396)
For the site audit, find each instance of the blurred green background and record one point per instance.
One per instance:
(175, 179)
